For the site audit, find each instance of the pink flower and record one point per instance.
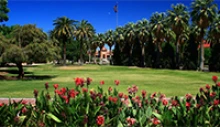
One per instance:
(117, 82)
(212, 94)
(188, 105)
(1, 104)
(110, 89)
(84, 90)
(155, 121)
(102, 82)
(24, 110)
(130, 121)
(120, 95)
(215, 78)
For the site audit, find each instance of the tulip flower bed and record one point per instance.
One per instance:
(82, 107)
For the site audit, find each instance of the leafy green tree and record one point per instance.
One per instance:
(4, 11)
(64, 29)
(178, 18)
(28, 44)
(99, 41)
(84, 33)
(203, 14)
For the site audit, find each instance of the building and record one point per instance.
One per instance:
(105, 54)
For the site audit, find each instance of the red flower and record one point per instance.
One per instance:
(130, 121)
(55, 86)
(215, 78)
(156, 121)
(100, 120)
(212, 94)
(188, 104)
(79, 81)
(102, 82)
(165, 102)
(207, 86)
(35, 93)
(120, 95)
(65, 98)
(188, 96)
(218, 84)
(143, 93)
(174, 103)
(72, 93)
(88, 81)
(1, 104)
(46, 85)
(84, 90)
(63, 90)
(24, 110)
(153, 95)
(110, 89)
(216, 102)
(125, 96)
(117, 82)
(23, 102)
(201, 89)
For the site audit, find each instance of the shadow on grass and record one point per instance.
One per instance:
(27, 75)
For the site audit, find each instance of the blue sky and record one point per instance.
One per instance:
(99, 13)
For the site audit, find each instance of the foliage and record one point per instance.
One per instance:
(80, 106)
(4, 10)
(214, 61)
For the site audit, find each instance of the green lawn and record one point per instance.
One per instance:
(169, 82)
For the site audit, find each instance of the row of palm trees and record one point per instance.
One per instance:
(172, 26)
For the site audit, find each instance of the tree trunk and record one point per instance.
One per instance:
(143, 56)
(177, 51)
(64, 53)
(100, 58)
(20, 70)
(81, 54)
(159, 50)
(110, 49)
(89, 55)
(130, 55)
(202, 58)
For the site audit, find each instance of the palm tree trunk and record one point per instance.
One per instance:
(81, 54)
(100, 57)
(110, 49)
(64, 53)
(202, 58)
(177, 51)
(159, 50)
(20, 70)
(130, 55)
(143, 55)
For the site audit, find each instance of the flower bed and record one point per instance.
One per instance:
(83, 107)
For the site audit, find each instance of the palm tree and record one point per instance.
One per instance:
(203, 14)
(110, 41)
(84, 33)
(119, 37)
(158, 27)
(178, 18)
(130, 35)
(214, 32)
(64, 28)
(99, 41)
(143, 34)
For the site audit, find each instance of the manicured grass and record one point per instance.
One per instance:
(169, 82)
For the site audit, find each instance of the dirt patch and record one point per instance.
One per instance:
(3, 73)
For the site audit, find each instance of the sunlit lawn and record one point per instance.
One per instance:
(169, 82)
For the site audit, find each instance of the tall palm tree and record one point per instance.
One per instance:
(178, 18)
(110, 41)
(143, 34)
(84, 33)
(64, 28)
(214, 32)
(130, 36)
(158, 27)
(99, 41)
(119, 37)
(203, 14)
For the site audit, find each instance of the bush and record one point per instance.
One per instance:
(83, 107)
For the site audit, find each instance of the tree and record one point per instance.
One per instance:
(99, 41)
(28, 44)
(178, 18)
(143, 33)
(157, 21)
(214, 37)
(130, 36)
(203, 14)
(110, 41)
(84, 33)
(64, 29)
(4, 10)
